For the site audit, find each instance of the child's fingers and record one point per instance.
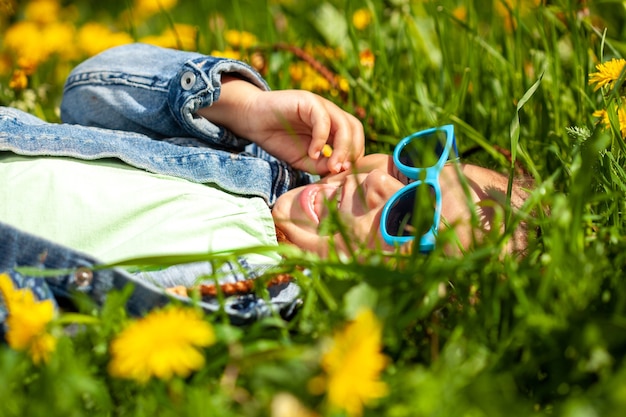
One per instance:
(320, 124)
(348, 144)
(330, 125)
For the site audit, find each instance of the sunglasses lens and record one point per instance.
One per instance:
(412, 213)
(424, 151)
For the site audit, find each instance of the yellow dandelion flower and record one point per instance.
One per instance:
(19, 80)
(146, 8)
(324, 51)
(227, 53)
(27, 321)
(308, 78)
(42, 346)
(460, 13)
(353, 365)
(257, 60)
(94, 38)
(603, 115)
(367, 58)
(28, 64)
(296, 71)
(343, 84)
(313, 81)
(23, 40)
(362, 18)
(163, 40)
(187, 34)
(59, 38)
(240, 39)
(42, 11)
(162, 344)
(607, 74)
(180, 36)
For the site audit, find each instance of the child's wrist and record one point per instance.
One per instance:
(232, 107)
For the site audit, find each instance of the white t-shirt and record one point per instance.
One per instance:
(112, 211)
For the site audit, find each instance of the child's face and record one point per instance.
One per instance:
(359, 196)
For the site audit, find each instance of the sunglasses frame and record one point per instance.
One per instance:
(427, 240)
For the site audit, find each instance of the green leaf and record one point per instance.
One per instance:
(359, 297)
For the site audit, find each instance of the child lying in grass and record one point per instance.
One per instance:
(165, 152)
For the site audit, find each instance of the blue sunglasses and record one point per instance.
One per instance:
(420, 157)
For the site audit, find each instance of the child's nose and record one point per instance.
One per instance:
(379, 187)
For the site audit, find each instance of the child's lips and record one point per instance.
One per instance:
(314, 197)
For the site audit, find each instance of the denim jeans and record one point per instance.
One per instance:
(77, 275)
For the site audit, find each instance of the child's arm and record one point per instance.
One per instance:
(292, 125)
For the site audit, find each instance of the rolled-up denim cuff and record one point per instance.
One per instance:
(198, 84)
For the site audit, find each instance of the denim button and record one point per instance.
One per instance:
(83, 276)
(188, 80)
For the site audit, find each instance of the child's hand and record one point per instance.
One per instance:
(292, 125)
(295, 125)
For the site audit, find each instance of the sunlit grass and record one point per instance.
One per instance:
(480, 334)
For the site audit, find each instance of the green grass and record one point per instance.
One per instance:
(480, 335)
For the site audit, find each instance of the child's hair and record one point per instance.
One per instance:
(281, 237)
